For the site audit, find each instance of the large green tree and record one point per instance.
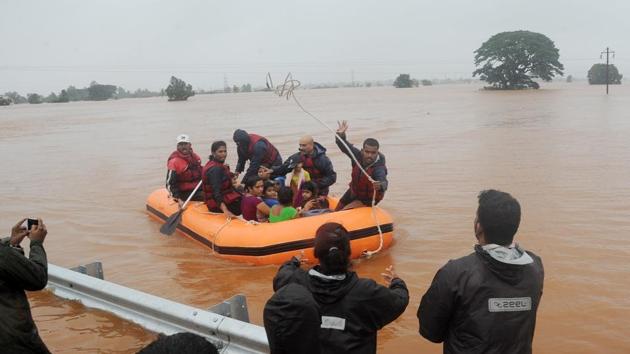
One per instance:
(178, 90)
(512, 60)
(597, 75)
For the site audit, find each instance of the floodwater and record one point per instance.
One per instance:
(562, 151)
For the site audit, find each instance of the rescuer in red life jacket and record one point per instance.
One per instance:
(258, 150)
(361, 189)
(184, 171)
(313, 157)
(218, 188)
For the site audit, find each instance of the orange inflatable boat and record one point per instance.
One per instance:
(266, 243)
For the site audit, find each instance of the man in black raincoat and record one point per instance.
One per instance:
(486, 302)
(18, 333)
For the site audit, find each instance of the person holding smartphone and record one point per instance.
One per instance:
(18, 333)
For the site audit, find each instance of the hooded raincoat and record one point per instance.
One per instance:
(485, 302)
(351, 309)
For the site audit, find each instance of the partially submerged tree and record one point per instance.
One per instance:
(34, 98)
(52, 98)
(178, 90)
(15, 97)
(98, 92)
(405, 81)
(75, 94)
(511, 60)
(63, 97)
(597, 75)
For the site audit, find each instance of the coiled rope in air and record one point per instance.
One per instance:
(286, 90)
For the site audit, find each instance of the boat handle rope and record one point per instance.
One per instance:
(216, 234)
(229, 219)
(286, 90)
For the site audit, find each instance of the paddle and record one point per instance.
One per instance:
(171, 223)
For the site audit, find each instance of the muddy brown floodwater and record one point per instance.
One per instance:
(86, 168)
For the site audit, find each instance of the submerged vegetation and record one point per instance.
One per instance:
(597, 75)
(405, 81)
(179, 90)
(95, 92)
(512, 60)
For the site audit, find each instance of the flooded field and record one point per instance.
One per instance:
(563, 151)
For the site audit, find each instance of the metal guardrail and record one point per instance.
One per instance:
(157, 314)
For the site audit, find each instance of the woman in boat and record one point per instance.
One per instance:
(351, 309)
(252, 205)
(218, 185)
(284, 210)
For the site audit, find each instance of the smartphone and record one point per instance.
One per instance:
(30, 222)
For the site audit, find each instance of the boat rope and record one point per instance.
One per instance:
(229, 219)
(216, 234)
(287, 90)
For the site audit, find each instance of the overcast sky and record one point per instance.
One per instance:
(48, 45)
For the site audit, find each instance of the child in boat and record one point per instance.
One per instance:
(295, 180)
(279, 182)
(270, 194)
(284, 210)
(311, 197)
(252, 205)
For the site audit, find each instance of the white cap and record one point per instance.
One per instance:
(183, 138)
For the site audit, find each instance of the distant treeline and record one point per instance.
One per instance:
(95, 92)
(179, 90)
(100, 92)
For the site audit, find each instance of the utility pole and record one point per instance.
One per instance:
(608, 52)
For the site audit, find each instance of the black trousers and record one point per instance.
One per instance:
(198, 197)
(234, 208)
(348, 198)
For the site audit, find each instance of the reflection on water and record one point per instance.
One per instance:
(563, 151)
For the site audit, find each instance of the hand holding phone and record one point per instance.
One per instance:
(30, 222)
(18, 232)
(38, 232)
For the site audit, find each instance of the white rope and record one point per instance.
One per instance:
(286, 89)
(216, 234)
